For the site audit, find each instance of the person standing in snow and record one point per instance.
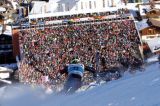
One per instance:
(75, 71)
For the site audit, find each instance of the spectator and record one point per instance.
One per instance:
(75, 72)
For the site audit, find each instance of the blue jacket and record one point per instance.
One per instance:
(77, 69)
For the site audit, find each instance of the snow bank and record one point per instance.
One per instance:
(140, 89)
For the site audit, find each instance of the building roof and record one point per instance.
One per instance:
(142, 24)
(52, 8)
(151, 27)
(153, 13)
(5, 70)
(155, 21)
(2, 9)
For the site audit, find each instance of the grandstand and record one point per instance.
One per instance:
(47, 47)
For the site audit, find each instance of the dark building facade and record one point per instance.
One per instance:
(6, 50)
(134, 1)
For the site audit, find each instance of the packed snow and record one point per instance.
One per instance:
(136, 89)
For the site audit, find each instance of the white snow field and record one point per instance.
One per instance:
(139, 89)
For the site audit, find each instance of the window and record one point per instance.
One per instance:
(86, 5)
(82, 5)
(67, 7)
(150, 31)
(94, 4)
(131, 1)
(137, 1)
(103, 3)
(76, 6)
(90, 5)
(108, 3)
(59, 7)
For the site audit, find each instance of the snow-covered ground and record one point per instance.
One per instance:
(139, 89)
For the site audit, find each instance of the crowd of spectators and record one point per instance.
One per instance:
(46, 51)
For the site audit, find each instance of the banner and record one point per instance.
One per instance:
(26, 24)
(53, 22)
(65, 21)
(99, 17)
(154, 44)
(41, 23)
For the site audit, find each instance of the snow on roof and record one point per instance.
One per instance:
(8, 31)
(131, 6)
(142, 24)
(14, 4)
(53, 0)
(37, 7)
(154, 44)
(5, 70)
(43, 15)
(155, 21)
(2, 9)
(41, 9)
(144, 8)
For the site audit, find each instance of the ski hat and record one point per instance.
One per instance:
(75, 61)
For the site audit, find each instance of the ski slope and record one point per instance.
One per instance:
(139, 89)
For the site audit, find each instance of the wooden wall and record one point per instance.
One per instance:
(150, 31)
(15, 40)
